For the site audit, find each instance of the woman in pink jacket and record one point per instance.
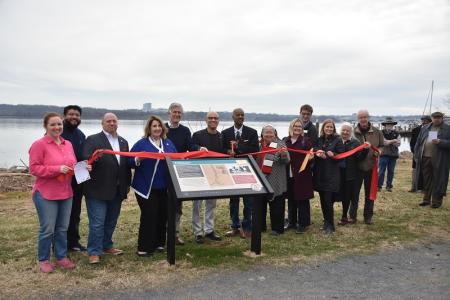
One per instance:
(52, 160)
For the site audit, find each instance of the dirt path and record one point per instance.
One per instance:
(415, 272)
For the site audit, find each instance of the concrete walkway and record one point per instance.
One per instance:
(419, 272)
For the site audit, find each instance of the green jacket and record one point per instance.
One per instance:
(375, 137)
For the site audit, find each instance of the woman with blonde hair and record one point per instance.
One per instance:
(300, 183)
(150, 184)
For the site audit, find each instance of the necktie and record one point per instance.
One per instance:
(238, 135)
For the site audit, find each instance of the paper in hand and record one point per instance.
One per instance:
(432, 135)
(81, 172)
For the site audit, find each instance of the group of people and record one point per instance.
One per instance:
(293, 175)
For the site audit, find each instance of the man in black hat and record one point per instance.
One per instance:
(432, 156)
(389, 153)
(412, 143)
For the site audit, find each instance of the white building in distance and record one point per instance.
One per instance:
(147, 107)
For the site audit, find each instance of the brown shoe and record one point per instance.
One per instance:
(113, 251)
(233, 232)
(179, 241)
(94, 259)
(351, 221)
(248, 234)
(242, 234)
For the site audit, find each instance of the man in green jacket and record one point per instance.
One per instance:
(366, 132)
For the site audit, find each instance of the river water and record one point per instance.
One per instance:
(16, 135)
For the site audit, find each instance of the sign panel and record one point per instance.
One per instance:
(214, 177)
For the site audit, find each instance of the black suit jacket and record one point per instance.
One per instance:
(107, 175)
(247, 144)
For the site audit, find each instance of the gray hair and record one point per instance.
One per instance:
(362, 111)
(175, 105)
(269, 126)
(347, 124)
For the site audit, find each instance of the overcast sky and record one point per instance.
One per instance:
(263, 56)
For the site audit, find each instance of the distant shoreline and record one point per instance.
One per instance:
(21, 111)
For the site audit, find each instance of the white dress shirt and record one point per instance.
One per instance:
(114, 142)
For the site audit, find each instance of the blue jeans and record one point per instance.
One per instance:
(54, 216)
(103, 215)
(247, 211)
(389, 163)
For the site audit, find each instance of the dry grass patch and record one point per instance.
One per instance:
(398, 221)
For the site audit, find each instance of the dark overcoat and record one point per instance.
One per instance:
(303, 181)
(441, 163)
(326, 171)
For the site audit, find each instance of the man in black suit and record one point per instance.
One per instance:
(236, 140)
(108, 186)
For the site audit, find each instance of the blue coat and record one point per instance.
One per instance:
(145, 178)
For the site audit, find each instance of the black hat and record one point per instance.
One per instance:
(428, 118)
(389, 120)
(437, 114)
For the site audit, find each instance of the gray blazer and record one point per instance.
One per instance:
(278, 177)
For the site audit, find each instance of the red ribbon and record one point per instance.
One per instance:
(206, 154)
(374, 181)
(154, 155)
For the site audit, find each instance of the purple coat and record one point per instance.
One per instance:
(303, 182)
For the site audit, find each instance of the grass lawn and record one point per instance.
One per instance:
(398, 220)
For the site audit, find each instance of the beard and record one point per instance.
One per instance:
(72, 125)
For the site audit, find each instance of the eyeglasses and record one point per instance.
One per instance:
(213, 118)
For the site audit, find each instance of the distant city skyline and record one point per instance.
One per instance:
(264, 56)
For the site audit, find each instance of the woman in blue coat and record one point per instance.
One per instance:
(150, 183)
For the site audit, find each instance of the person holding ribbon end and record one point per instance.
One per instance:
(326, 171)
(108, 187)
(52, 160)
(150, 182)
(366, 132)
(273, 165)
(300, 177)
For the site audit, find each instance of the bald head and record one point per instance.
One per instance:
(238, 117)
(212, 121)
(110, 123)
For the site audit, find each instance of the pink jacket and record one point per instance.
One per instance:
(46, 158)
